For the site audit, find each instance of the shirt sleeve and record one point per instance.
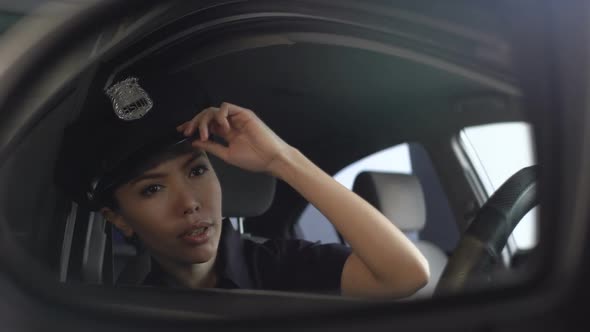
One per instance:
(308, 266)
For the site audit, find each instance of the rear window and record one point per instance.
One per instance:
(313, 226)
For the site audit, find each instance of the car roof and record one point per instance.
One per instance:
(335, 89)
(339, 91)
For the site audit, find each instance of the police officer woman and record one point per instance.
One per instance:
(145, 168)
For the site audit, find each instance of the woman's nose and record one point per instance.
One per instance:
(188, 201)
(193, 208)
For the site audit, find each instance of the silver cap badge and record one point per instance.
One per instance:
(130, 101)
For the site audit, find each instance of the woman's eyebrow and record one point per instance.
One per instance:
(196, 155)
(147, 176)
(151, 176)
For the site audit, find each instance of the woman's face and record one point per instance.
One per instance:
(175, 209)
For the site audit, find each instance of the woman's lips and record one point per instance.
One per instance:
(197, 234)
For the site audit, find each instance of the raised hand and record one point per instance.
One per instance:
(251, 144)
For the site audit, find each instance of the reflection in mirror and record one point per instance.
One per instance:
(299, 161)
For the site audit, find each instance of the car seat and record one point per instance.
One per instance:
(400, 198)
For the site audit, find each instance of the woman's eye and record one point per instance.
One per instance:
(197, 171)
(151, 190)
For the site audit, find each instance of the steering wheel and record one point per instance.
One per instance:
(481, 244)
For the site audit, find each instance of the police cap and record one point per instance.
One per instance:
(121, 124)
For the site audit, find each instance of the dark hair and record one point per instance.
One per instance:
(108, 198)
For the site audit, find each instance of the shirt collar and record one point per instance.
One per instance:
(230, 266)
(231, 260)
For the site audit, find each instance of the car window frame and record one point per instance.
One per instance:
(181, 315)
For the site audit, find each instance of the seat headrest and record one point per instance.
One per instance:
(398, 196)
(244, 194)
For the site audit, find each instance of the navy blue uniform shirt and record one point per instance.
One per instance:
(288, 265)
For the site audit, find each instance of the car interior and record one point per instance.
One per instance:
(336, 90)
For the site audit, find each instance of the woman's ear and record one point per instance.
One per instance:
(117, 220)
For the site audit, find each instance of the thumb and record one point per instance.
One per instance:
(212, 147)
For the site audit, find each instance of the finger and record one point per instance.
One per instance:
(191, 125)
(182, 126)
(194, 123)
(204, 123)
(237, 115)
(187, 127)
(212, 147)
(221, 119)
(203, 130)
(231, 109)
